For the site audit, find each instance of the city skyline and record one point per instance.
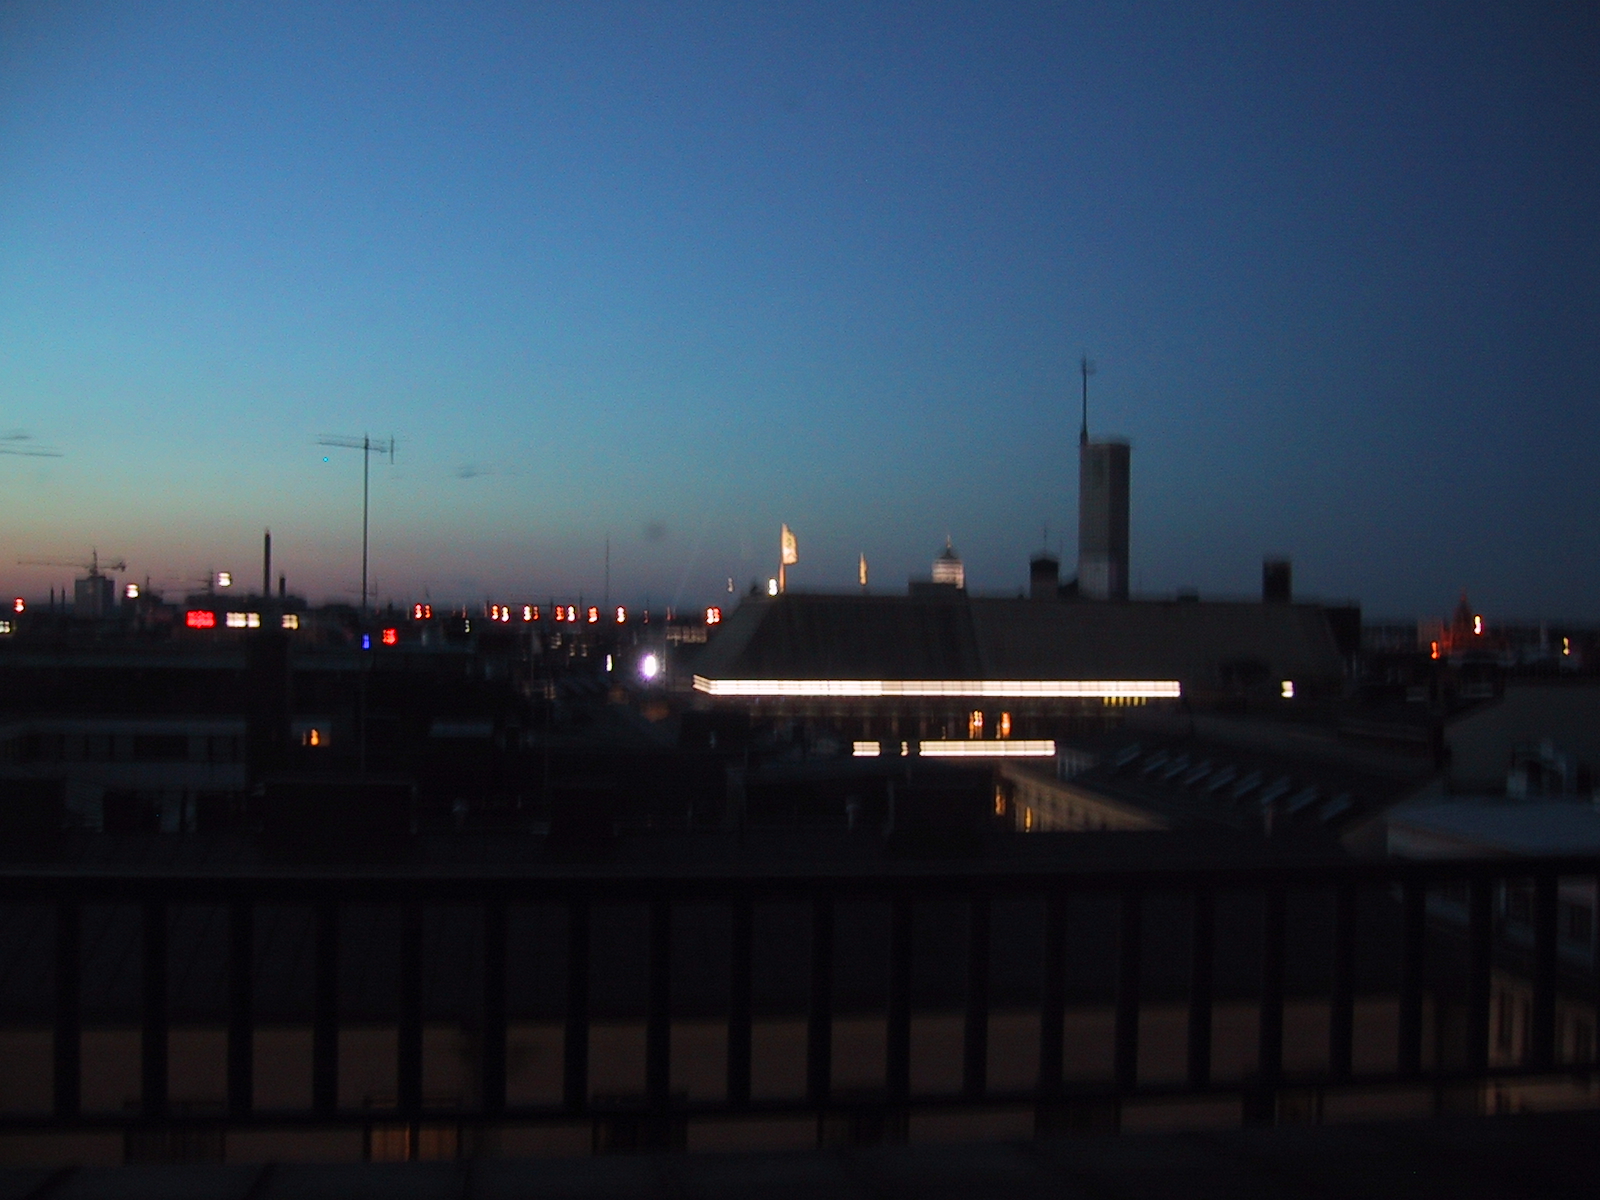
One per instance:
(668, 281)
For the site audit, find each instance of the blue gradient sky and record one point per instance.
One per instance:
(677, 274)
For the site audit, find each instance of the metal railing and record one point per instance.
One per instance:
(900, 887)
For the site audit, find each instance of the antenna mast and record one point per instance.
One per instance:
(1087, 368)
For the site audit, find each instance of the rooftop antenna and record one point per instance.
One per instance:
(1087, 369)
(368, 448)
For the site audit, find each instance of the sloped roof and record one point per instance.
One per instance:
(800, 636)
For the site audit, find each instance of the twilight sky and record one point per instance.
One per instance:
(677, 273)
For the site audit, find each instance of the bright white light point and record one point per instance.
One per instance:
(608, 664)
(1288, 689)
(224, 579)
(650, 667)
(772, 587)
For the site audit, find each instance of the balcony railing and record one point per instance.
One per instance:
(899, 887)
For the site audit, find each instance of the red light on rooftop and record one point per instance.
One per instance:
(199, 618)
(19, 605)
(594, 615)
(391, 637)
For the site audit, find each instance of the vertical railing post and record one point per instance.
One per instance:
(1414, 895)
(1480, 965)
(575, 1051)
(1261, 1108)
(325, 1016)
(1052, 996)
(1126, 1055)
(492, 1049)
(408, 1066)
(68, 1032)
(241, 1007)
(153, 1039)
(739, 973)
(975, 1040)
(819, 1019)
(658, 1022)
(897, 1031)
(1202, 960)
(1545, 898)
(1341, 1004)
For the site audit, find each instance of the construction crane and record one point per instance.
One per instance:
(92, 566)
(368, 447)
(16, 443)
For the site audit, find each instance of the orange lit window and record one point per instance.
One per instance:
(594, 615)
(391, 637)
(975, 723)
(1005, 725)
(1477, 625)
(622, 615)
(313, 737)
(1434, 652)
(416, 612)
(713, 616)
(19, 605)
(197, 618)
(560, 613)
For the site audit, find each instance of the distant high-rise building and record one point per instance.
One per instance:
(1103, 520)
(947, 567)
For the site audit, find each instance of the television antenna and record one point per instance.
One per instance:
(368, 447)
(93, 566)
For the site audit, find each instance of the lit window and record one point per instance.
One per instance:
(572, 613)
(416, 612)
(1005, 724)
(197, 618)
(772, 587)
(713, 616)
(131, 592)
(238, 620)
(1433, 651)
(650, 667)
(291, 620)
(494, 612)
(1566, 643)
(560, 613)
(391, 637)
(975, 723)
(224, 579)
(866, 749)
(1027, 820)
(527, 612)
(999, 803)
(19, 605)
(1477, 624)
(593, 615)
(608, 664)
(1288, 689)
(622, 615)
(313, 737)
(5, 627)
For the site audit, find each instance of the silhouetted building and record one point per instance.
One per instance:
(1103, 520)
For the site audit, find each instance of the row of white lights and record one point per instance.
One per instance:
(1071, 689)
(976, 748)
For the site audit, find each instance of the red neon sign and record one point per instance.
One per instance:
(391, 637)
(199, 618)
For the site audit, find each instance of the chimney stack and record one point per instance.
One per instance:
(266, 567)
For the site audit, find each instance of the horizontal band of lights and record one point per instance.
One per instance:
(1070, 689)
(975, 748)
